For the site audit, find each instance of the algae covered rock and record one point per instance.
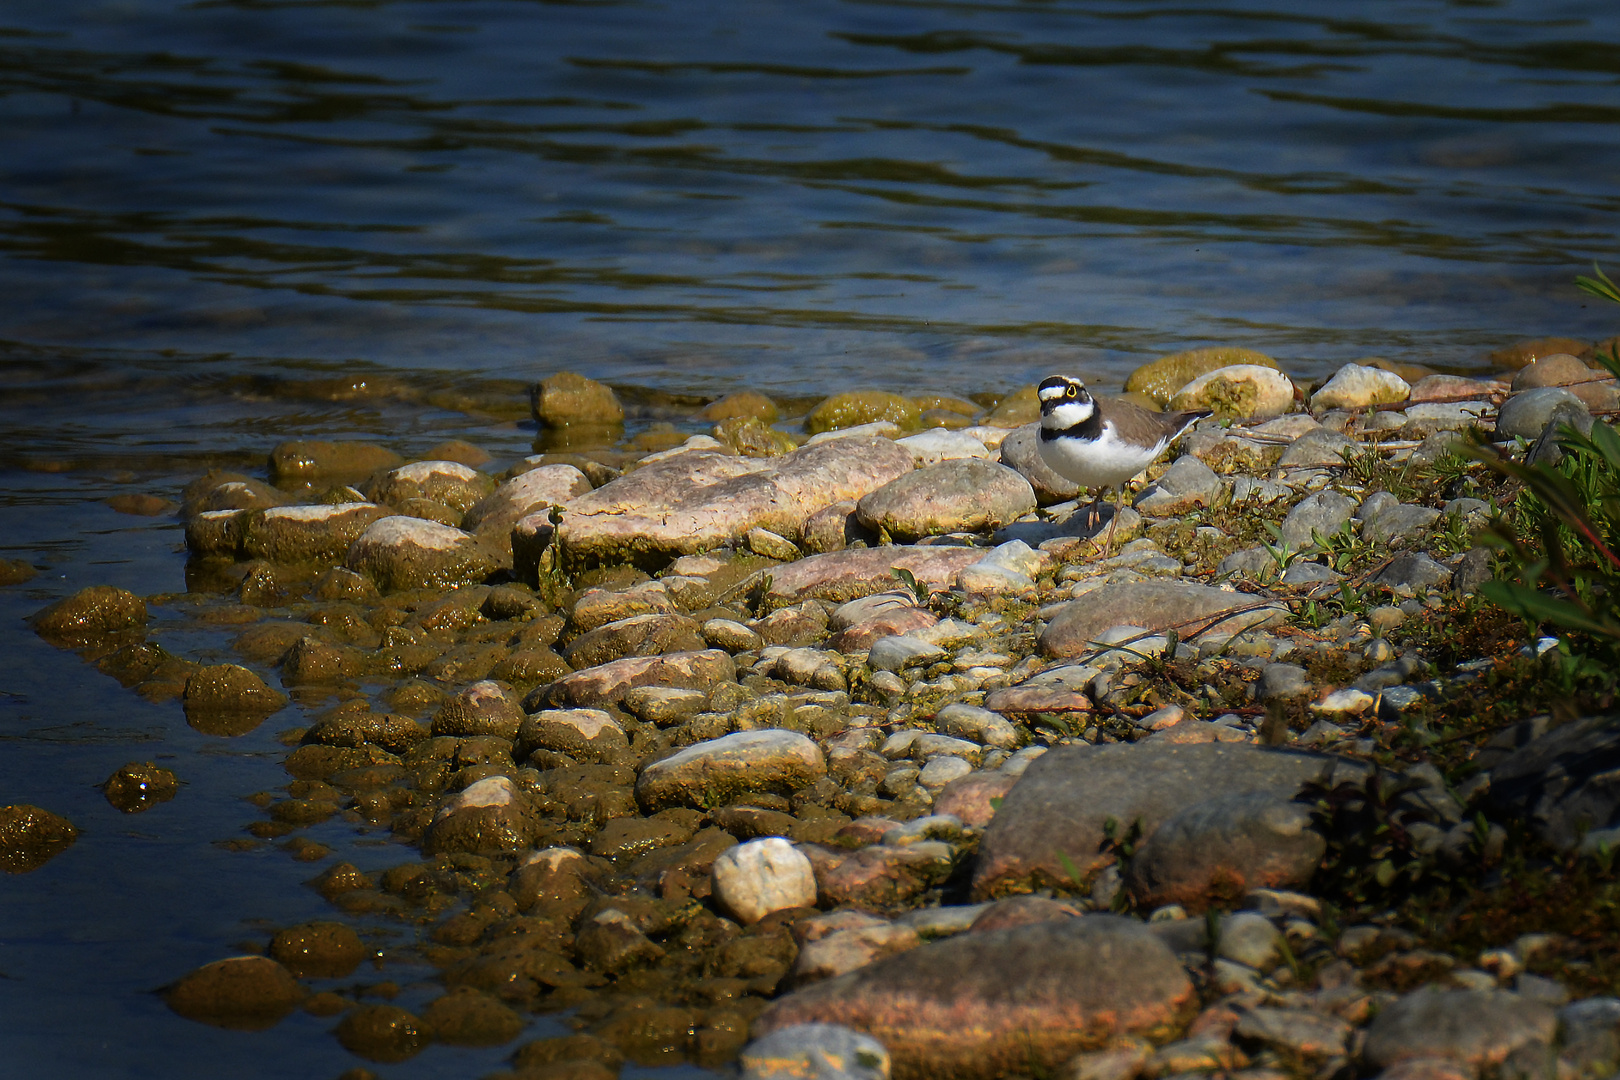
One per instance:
(310, 460)
(249, 993)
(489, 817)
(712, 773)
(409, 553)
(31, 836)
(856, 407)
(1163, 377)
(569, 400)
(448, 483)
(89, 615)
(1240, 390)
(741, 404)
(294, 534)
(140, 785)
(1018, 408)
(752, 437)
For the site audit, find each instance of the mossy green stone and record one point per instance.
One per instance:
(856, 407)
(1161, 379)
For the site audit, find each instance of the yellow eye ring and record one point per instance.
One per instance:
(1072, 391)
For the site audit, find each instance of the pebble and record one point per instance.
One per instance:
(1250, 939)
(898, 652)
(814, 1052)
(754, 879)
(713, 772)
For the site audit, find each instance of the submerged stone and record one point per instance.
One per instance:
(249, 993)
(31, 836)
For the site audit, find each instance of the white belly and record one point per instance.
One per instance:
(1104, 463)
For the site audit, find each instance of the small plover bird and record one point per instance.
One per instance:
(1099, 444)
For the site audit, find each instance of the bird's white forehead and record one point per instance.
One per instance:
(1054, 393)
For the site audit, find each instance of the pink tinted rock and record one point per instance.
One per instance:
(1455, 388)
(973, 797)
(1023, 700)
(607, 684)
(876, 877)
(701, 500)
(859, 637)
(1022, 911)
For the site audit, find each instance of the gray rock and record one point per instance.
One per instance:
(1281, 681)
(1055, 814)
(1315, 448)
(967, 495)
(1398, 521)
(1250, 563)
(1547, 450)
(1416, 570)
(1476, 1027)
(1254, 489)
(1003, 1002)
(1373, 505)
(1309, 573)
(1151, 605)
(1021, 451)
(1301, 1032)
(896, 653)
(1524, 415)
(980, 725)
(1591, 1041)
(1322, 513)
(1563, 783)
(814, 1052)
(1186, 484)
(1199, 855)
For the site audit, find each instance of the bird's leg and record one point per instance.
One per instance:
(1113, 522)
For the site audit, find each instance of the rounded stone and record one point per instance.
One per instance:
(246, 992)
(1241, 390)
(31, 836)
(1250, 939)
(493, 516)
(382, 1033)
(1554, 369)
(1021, 450)
(746, 404)
(856, 407)
(312, 459)
(326, 950)
(230, 688)
(968, 495)
(586, 734)
(90, 614)
(488, 817)
(484, 708)
(1356, 387)
(1163, 377)
(140, 786)
(714, 772)
(754, 879)
(469, 1017)
(1524, 415)
(448, 483)
(567, 399)
(1005, 1002)
(409, 553)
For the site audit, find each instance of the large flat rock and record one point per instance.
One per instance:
(1153, 605)
(701, 500)
(1003, 1003)
(1057, 811)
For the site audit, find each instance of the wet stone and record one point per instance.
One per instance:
(468, 1017)
(448, 483)
(585, 734)
(665, 705)
(298, 534)
(409, 553)
(484, 708)
(989, 1004)
(229, 699)
(607, 684)
(31, 836)
(488, 817)
(90, 615)
(639, 635)
(382, 1033)
(15, 572)
(140, 786)
(320, 949)
(856, 407)
(249, 993)
(310, 460)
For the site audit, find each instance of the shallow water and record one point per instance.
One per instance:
(225, 223)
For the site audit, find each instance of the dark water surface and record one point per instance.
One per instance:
(228, 222)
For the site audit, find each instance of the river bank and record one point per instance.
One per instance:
(651, 738)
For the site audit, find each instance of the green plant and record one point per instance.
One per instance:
(1372, 850)
(909, 580)
(1344, 548)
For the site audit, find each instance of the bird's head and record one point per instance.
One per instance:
(1065, 402)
